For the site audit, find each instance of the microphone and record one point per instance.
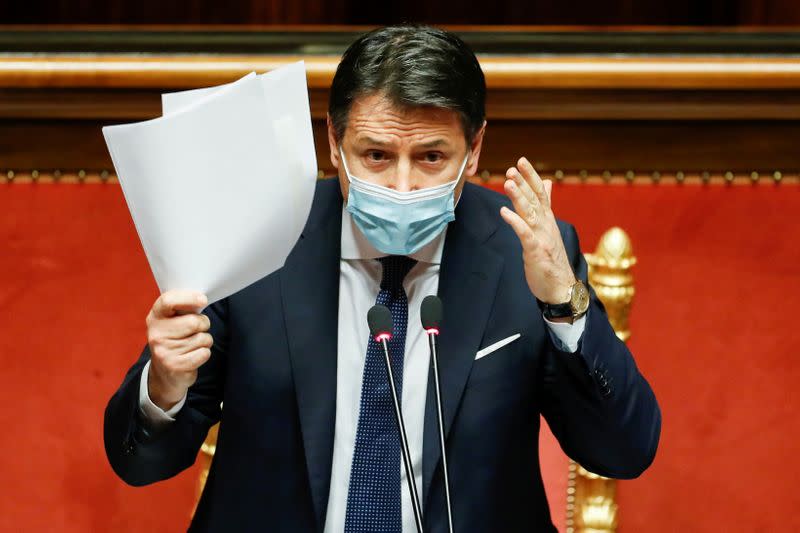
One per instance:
(379, 319)
(431, 315)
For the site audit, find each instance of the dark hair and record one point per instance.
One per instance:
(414, 66)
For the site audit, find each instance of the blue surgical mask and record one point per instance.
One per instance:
(400, 223)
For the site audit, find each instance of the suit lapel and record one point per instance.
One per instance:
(467, 284)
(310, 293)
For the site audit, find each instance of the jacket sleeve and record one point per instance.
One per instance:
(139, 453)
(597, 403)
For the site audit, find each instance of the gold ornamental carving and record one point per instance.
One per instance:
(591, 499)
(610, 276)
(206, 455)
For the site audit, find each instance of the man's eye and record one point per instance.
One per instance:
(433, 157)
(374, 155)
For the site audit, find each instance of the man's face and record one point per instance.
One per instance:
(402, 149)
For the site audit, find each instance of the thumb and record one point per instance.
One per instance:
(548, 188)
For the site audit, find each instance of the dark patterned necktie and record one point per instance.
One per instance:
(373, 498)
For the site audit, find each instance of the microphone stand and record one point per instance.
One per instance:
(412, 482)
(432, 333)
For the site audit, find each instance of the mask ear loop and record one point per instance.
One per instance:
(344, 162)
(460, 173)
(463, 166)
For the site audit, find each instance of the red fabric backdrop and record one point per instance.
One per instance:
(714, 330)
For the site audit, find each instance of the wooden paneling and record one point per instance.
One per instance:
(645, 146)
(507, 104)
(583, 12)
(505, 41)
(571, 146)
(571, 113)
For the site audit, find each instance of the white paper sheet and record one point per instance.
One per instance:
(290, 112)
(221, 186)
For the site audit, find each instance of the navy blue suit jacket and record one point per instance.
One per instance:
(274, 365)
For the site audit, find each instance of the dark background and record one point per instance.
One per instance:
(530, 12)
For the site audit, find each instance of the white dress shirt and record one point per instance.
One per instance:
(359, 284)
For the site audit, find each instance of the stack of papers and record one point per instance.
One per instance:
(221, 185)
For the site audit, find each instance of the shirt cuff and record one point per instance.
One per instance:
(567, 336)
(151, 413)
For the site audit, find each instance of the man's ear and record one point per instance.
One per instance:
(333, 143)
(475, 152)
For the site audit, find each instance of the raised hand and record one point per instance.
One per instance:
(547, 267)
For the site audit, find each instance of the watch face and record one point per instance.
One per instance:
(580, 298)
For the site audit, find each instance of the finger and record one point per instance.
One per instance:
(524, 208)
(193, 360)
(533, 179)
(520, 227)
(513, 174)
(175, 301)
(180, 327)
(548, 187)
(191, 343)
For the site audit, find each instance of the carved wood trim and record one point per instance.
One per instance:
(725, 178)
(180, 71)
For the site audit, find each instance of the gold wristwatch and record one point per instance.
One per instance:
(575, 307)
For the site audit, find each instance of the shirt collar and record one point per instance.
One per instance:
(356, 246)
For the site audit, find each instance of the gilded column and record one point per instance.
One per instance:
(591, 499)
(206, 455)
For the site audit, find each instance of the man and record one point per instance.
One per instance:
(307, 440)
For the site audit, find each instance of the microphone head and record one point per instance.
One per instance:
(379, 319)
(431, 314)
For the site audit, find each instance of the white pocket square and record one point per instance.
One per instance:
(496, 346)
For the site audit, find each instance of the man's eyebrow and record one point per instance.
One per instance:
(372, 140)
(378, 142)
(434, 143)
